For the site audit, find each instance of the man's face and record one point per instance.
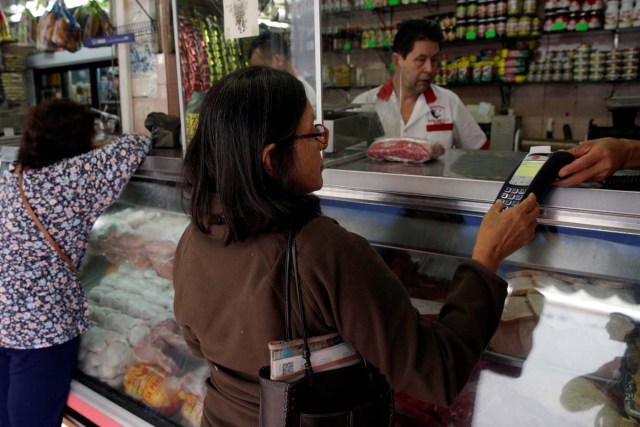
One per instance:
(420, 66)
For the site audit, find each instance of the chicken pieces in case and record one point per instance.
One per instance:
(135, 346)
(522, 311)
(143, 237)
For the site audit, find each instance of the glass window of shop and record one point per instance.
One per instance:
(477, 101)
(283, 37)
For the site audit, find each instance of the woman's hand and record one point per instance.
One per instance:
(596, 160)
(503, 232)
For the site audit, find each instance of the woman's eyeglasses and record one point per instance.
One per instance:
(321, 135)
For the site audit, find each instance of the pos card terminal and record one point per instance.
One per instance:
(534, 174)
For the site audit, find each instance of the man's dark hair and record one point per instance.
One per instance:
(55, 130)
(241, 114)
(415, 30)
(270, 44)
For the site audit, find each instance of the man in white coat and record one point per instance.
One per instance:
(272, 50)
(409, 105)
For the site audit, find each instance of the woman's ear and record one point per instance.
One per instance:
(267, 153)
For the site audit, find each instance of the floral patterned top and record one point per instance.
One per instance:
(41, 300)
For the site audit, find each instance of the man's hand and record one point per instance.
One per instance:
(596, 160)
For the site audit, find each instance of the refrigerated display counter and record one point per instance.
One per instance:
(566, 350)
(134, 368)
(564, 354)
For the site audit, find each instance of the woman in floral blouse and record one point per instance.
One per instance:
(43, 309)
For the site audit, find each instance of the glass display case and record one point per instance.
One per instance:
(565, 352)
(134, 360)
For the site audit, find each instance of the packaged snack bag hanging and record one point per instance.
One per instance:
(67, 32)
(5, 33)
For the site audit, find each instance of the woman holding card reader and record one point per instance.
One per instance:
(250, 172)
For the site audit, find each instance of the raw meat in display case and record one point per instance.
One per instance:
(135, 348)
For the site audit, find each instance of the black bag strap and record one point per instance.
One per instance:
(291, 263)
(287, 292)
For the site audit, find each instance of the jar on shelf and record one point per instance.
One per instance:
(461, 9)
(549, 19)
(472, 27)
(472, 10)
(613, 57)
(501, 7)
(612, 74)
(386, 37)
(529, 7)
(573, 20)
(625, 17)
(491, 9)
(524, 26)
(582, 20)
(630, 56)
(611, 15)
(491, 28)
(596, 76)
(630, 74)
(514, 7)
(364, 39)
(614, 68)
(536, 27)
(594, 20)
(575, 6)
(482, 28)
(561, 20)
(373, 37)
(380, 37)
(501, 26)
(482, 9)
(512, 27)
(461, 29)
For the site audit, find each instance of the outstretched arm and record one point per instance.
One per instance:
(598, 159)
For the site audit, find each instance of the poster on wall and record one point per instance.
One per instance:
(143, 70)
(240, 18)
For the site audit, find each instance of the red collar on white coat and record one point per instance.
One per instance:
(387, 89)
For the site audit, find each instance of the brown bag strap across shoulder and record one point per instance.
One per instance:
(44, 231)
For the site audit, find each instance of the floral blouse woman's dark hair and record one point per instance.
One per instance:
(240, 115)
(55, 130)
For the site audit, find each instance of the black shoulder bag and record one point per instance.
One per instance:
(351, 396)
